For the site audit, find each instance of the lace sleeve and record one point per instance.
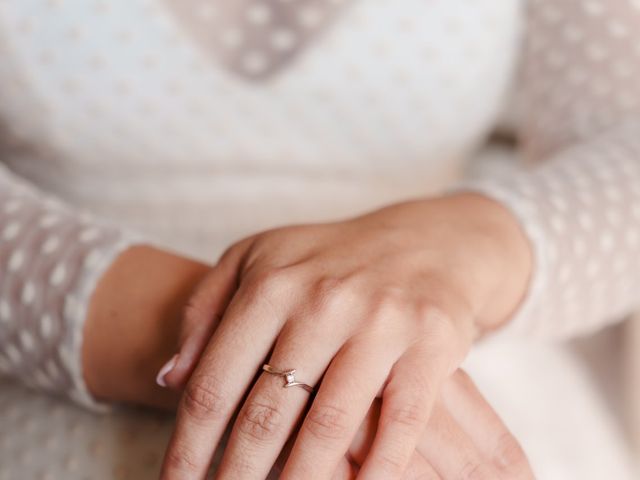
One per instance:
(578, 193)
(50, 260)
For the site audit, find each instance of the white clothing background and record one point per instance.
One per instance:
(116, 109)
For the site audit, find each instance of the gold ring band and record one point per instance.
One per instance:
(289, 377)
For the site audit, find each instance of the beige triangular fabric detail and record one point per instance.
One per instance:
(256, 38)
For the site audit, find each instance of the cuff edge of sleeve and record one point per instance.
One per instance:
(76, 307)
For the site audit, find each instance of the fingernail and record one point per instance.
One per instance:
(165, 370)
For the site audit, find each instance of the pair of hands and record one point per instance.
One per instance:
(381, 306)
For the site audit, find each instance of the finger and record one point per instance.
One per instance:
(419, 469)
(362, 441)
(339, 408)
(201, 316)
(347, 469)
(227, 368)
(473, 413)
(407, 400)
(271, 411)
(284, 454)
(451, 452)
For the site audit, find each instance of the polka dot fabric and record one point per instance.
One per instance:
(580, 72)
(584, 230)
(579, 196)
(578, 130)
(162, 116)
(50, 260)
(123, 107)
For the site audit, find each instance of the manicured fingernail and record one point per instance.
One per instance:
(165, 370)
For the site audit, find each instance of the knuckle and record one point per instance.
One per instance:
(180, 460)
(242, 462)
(474, 470)
(203, 399)
(509, 455)
(433, 315)
(426, 310)
(260, 420)
(333, 293)
(387, 304)
(442, 331)
(327, 422)
(393, 463)
(271, 282)
(326, 286)
(411, 415)
(390, 299)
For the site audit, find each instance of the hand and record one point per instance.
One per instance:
(389, 302)
(464, 438)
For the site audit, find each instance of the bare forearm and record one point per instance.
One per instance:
(133, 323)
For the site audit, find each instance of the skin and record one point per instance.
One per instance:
(389, 302)
(133, 324)
(151, 303)
(464, 438)
(396, 297)
(136, 316)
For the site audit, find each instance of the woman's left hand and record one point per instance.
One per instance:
(387, 303)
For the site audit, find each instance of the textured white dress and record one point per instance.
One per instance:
(189, 124)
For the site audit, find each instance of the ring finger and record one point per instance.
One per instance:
(270, 412)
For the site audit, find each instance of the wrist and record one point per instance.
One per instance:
(473, 244)
(132, 324)
(508, 258)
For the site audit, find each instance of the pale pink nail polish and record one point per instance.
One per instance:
(165, 370)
